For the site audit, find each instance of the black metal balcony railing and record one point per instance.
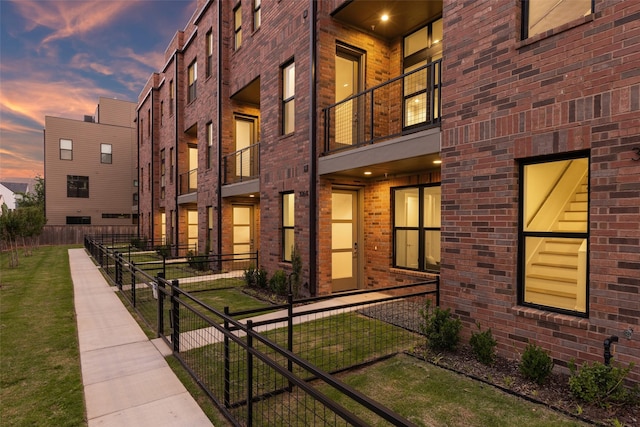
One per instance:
(188, 182)
(242, 165)
(402, 105)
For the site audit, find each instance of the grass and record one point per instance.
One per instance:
(40, 378)
(434, 396)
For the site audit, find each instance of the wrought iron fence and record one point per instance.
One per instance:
(275, 366)
(405, 104)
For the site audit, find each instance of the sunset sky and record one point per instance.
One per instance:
(58, 57)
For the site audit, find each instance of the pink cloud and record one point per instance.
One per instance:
(70, 18)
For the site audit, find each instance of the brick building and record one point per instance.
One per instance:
(90, 167)
(490, 142)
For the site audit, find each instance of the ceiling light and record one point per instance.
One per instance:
(367, 173)
(384, 18)
(437, 162)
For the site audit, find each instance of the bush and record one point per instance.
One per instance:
(139, 243)
(261, 278)
(600, 384)
(535, 364)
(296, 275)
(197, 262)
(483, 346)
(441, 330)
(250, 276)
(278, 282)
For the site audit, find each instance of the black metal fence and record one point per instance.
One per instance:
(275, 366)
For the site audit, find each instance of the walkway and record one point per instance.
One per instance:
(127, 381)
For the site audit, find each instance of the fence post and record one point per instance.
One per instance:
(133, 286)
(118, 275)
(160, 287)
(227, 363)
(290, 331)
(438, 290)
(175, 315)
(249, 373)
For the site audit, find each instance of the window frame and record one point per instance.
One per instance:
(287, 226)
(163, 167)
(209, 52)
(420, 228)
(525, 13)
(524, 234)
(77, 191)
(172, 96)
(209, 129)
(65, 150)
(104, 156)
(288, 99)
(257, 14)
(237, 26)
(192, 80)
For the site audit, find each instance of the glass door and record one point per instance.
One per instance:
(344, 240)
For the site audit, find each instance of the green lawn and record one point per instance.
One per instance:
(40, 384)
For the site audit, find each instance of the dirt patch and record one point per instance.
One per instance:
(554, 393)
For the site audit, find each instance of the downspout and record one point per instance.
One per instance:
(175, 217)
(152, 219)
(219, 139)
(313, 205)
(138, 171)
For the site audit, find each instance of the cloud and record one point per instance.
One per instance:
(69, 19)
(83, 61)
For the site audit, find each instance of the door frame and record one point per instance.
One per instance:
(359, 229)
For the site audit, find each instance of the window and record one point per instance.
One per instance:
(209, 53)
(540, 16)
(162, 173)
(422, 87)
(553, 243)
(105, 153)
(209, 242)
(193, 76)
(77, 186)
(257, 14)
(172, 95)
(288, 223)
(416, 231)
(74, 220)
(161, 113)
(141, 130)
(288, 98)
(66, 149)
(142, 180)
(209, 145)
(171, 165)
(116, 216)
(237, 25)
(149, 122)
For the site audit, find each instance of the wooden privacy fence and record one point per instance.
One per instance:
(74, 234)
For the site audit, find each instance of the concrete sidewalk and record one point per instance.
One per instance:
(127, 381)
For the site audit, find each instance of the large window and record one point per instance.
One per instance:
(193, 77)
(288, 224)
(105, 153)
(288, 98)
(422, 88)
(554, 205)
(257, 14)
(77, 186)
(66, 149)
(209, 145)
(416, 230)
(172, 95)
(542, 15)
(75, 220)
(237, 26)
(209, 53)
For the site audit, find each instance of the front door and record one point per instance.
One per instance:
(246, 137)
(344, 240)
(243, 241)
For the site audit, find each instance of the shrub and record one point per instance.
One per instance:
(278, 282)
(139, 243)
(197, 262)
(250, 276)
(535, 364)
(483, 345)
(296, 275)
(600, 384)
(441, 330)
(261, 278)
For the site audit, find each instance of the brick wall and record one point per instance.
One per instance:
(574, 88)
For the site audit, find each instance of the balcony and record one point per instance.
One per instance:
(406, 104)
(241, 171)
(188, 186)
(390, 128)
